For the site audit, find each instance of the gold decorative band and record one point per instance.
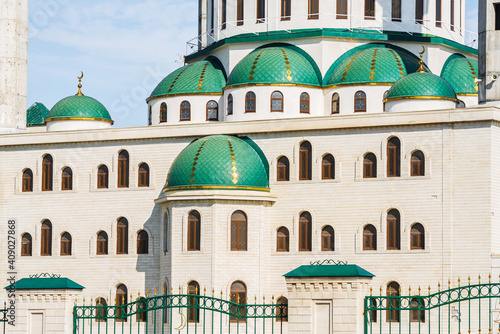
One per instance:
(215, 188)
(361, 84)
(271, 84)
(78, 119)
(174, 95)
(420, 98)
(468, 94)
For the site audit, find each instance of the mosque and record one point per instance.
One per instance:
(296, 131)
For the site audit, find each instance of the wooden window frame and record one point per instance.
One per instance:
(396, 10)
(46, 238)
(305, 161)
(393, 290)
(121, 299)
(193, 312)
(103, 177)
(281, 99)
(394, 157)
(261, 11)
(123, 169)
(305, 232)
(417, 164)
(143, 175)
(419, 15)
(356, 99)
(122, 236)
(194, 231)
(305, 100)
(369, 10)
(240, 12)
(238, 297)
(67, 179)
(393, 230)
(417, 237)
(240, 229)
(26, 245)
(283, 169)
(282, 239)
(369, 238)
(163, 112)
(417, 315)
(327, 240)
(286, 10)
(102, 243)
(282, 309)
(335, 100)
(248, 99)
(369, 166)
(142, 242)
(184, 108)
(342, 9)
(439, 13)
(66, 245)
(452, 15)
(313, 9)
(230, 104)
(27, 182)
(328, 167)
(212, 108)
(101, 312)
(47, 173)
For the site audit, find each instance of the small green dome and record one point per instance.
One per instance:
(36, 114)
(279, 64)
(371, 64)
(196, 78)
(219, 162)
(421, 85)
(460, 73)
(79, 107)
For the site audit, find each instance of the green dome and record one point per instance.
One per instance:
(219, 162)
(421, 85)
(196, 78)
(280, 64)
(460, 73)
(371, 64)
(79, 107)
(36, 114)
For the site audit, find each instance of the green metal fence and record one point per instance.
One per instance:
(183, 313)
(462, 309)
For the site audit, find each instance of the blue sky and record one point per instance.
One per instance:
(124, 48)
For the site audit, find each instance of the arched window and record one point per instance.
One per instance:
(142, 313)
(393, 230)
(102, 243)
(282, 240)
(360, 101)
(313, 9)
(328, 167)
(240, 11)
(393, 157)
(163, 112)
(369, 165)
(185, 111)
(261, 11)
(373, 313)
(150, 115)
(230, 104)
(383, 99)
(238, 296)
(335, 103)
(417, 164)
(102, 177)
(417, 236)
(417, 313)
(27, 180)
(276, 101)
(193, 312)
(283, 169)
(369, 238)
(212, 111)
(369, 9)
(101, 310)
(66, 244)
(194, 233)
(67, 179)
(327, 239)
(305, 232)
(341, 9)
(165, 233)
(305, 161)
(46, 242)
(419, 11)
(121, 299)
(238, 231)
(123, 169)
(461, 104)
(26, 245)
(282, 310)
(122, 236)
(47, 172)
(142, 242)
(143, 175)
(393, 290)
(286, 10)
(304, 103)
(396, 10)
(250, 102)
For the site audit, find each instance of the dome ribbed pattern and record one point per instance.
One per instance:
(460, 74)
(79, 106)
(218, 162)
(275, 65)
(36, 114)
(421, 85)
(196, 78)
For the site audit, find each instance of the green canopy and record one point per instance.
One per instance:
(37, 283)
(342, 270)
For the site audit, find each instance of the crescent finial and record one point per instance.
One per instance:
(421, 62)
(79, 93)
(80, 77)
(423, 50)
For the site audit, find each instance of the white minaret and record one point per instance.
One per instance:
(13, 64)
(489, 50)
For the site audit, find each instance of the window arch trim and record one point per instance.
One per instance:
(194, 231)
(27, 180)
(282, 168)
(212, 108)
(143, 175)
(47, 172)
(102, 176)
(282, 239)
(277, 101)
(66, 178)
(185, 111)
(163, 112)
(360, 100)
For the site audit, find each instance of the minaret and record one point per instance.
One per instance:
(13, 64)
(489, 50)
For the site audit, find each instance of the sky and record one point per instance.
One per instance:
(124, 47)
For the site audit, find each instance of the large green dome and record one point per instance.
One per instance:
(219, 162)
(79, 107)
(460, 73)
(278, 64)
(196, 78)
(421, 85)
(371, 64)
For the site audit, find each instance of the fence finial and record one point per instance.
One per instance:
(263, 299)
(205, 291)
(75, 301)
(213, 292)
(155, 290)
(91, 300)
(147, 293)
(381, 290)
(449, 284)
(220, 293)
(107, 300)
(469, 279)
(371, 291)
(419, 289)
(479, 277)
(179, 289)
(439, 286)
(255, 299)
(83, 301)
(489, 278)
(139, 294)
(459, 281)
(429, 289)
(409, 290)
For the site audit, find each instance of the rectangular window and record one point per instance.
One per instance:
(224, 14)
(419, 11)
(341, 9)
(396, 10)
(239, 12)
(369, 9)
(212, 16)
(313, 9)
(285, 10)
(452, 15)
(261, 11)
(438, 13)
(497, 15)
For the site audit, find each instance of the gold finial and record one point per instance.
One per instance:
(83, 301)
(171, 289)
(155, 290)
(147, 292)
(449, 284)
(213, 292)
(179, 289)
(80, 85)
(429, 289)
(381, 290)
(221, 294)
(107, 300)
(371, 291)
(91, 301)
(138, 294)
(409, 290)
(204, 291)
(459, 281)
(419, 289)
(264, 300)
(439, 286)
(479, 277)
(421, 62)
(75, 300)
(489, 278)
(255, 299)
